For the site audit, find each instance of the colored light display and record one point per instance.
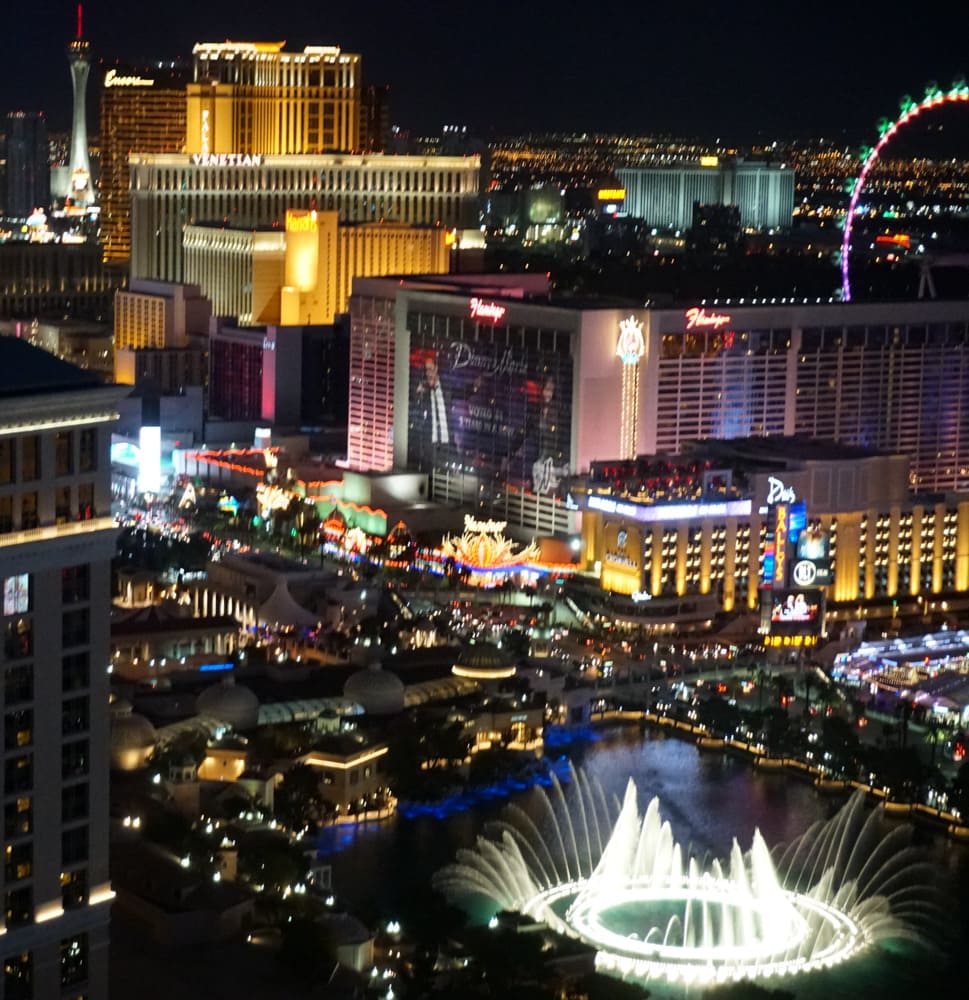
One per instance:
(910, 110)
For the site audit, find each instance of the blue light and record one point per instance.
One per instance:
(211, 668)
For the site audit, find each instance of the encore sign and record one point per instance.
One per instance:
(112, 79)
(701, 318)
(487, 310)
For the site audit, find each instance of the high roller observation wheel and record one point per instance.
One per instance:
(911, 109)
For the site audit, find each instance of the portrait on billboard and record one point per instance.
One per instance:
(812, 543)
(796, 612)
(433, 406)
(491, 401)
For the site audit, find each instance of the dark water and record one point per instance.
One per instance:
(384, 870)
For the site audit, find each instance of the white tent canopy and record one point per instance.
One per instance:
(281, 609)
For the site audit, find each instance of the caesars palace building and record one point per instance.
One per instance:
(169, 192)
(507, 398)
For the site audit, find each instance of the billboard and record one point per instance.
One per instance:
(489, 399)
(795, 612)
(812, 565)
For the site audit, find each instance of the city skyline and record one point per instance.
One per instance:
(546, 67)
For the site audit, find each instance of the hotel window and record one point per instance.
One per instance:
(75, 672)
(74, 759)
(62, 504)
(88, 450)
(85, 501)
(63, 453)
(18, 773)
(73, 960)
(18, 729)
(75, 716)
(18, 640)
(18, 817)
(76, 627)
(18, 976)
(8, 465)
(19, 907)
(74, 845)
(74, 888)
(18, 861)
(6, 514)
(30, 458)
(75, 583)
(18, 684)
(74, 802)
(29, 517)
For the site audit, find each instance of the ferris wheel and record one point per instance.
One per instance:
(910, 110)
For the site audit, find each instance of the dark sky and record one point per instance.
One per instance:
(729, 68)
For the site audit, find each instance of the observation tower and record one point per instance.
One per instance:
(81, 192)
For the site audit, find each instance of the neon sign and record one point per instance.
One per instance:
(300, 222)
(487, 310)
(225, 159)
(777, 492)
(113, 79)
(611, 194)
(631, 346)
(701, 318)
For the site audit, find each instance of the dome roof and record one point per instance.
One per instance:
(379, 691)
(133, 739)
(231, 703)
(483, 661)
(118, 706)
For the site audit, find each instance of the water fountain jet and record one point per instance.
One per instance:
(618, 880)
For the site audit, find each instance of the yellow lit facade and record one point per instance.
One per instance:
(141, 112)
(252, 97)
(902, 548)
(303, 275)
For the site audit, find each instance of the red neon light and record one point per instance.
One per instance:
(898, 240)
(487, 310)
(80, 20)
(700, 317)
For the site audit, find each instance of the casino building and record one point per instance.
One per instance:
(252, 97)
(502, 394)
(302, 272)
(142, 110)
(664, 196)
(787, 514)
(251, 191)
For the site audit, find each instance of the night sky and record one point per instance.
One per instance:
(725, 69)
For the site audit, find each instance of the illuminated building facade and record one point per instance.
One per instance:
(664, 196)
(716, 521)
(487, 349)
(302, 275)
(251, 97)
(142, 111)
(253, 191)
(57, 537)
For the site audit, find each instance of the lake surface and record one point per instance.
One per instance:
(384, 870)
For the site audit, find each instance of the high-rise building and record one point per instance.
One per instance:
(251, 97)
(251, 191)
(81, 193)
(142, 111)
(497, 392)
(375, 119)
(57, 539)
(664, 196)
(27, 180)
(302, 273)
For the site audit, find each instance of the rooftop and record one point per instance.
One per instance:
(26, 370)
